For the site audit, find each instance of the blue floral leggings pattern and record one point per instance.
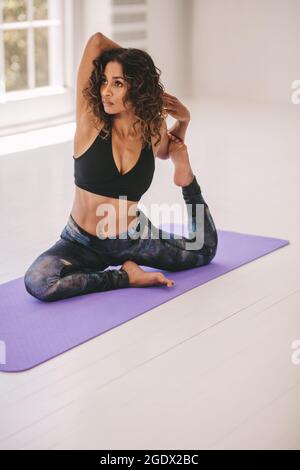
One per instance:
(77, 263)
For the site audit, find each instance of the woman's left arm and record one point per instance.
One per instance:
(179, 129)
(177, 110)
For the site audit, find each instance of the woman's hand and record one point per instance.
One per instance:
(176, 145)
(175, 108)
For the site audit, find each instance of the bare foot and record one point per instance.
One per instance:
(183, 174)
(140, 278)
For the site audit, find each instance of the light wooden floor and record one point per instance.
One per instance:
(211, 369)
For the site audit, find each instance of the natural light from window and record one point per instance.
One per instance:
(30, 40)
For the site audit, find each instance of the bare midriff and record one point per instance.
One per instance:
(87, 205)
(90, 210)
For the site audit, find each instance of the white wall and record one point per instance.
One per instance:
(168, 36)
(246, 49)
(235, 49)
(170, 41)
(95, 16)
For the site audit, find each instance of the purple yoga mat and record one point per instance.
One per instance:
(32, 331)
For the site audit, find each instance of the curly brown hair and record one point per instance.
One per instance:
(145, 91)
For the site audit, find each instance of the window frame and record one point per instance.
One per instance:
(43, 106)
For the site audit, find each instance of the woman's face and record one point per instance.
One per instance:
(113, 87)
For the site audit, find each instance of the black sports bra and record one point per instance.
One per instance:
(96, 171)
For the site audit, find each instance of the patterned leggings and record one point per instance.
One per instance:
(77, 263)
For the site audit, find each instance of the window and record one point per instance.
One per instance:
(36, 63)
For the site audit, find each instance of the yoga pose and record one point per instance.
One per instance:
(121, 108)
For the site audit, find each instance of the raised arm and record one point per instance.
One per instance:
(96, 44)
(162, 151)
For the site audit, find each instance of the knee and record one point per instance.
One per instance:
(208, 251)
(208, 259)
(36, 281)
(211, 251)
(203, 259)
(211, 243)
(210, 234)
(213, 247)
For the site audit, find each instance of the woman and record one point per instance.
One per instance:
(120, 130)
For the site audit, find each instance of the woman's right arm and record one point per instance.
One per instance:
(96, 44)
(107, 43)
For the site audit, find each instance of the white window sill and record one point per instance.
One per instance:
(21, 95)
(37, 138)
